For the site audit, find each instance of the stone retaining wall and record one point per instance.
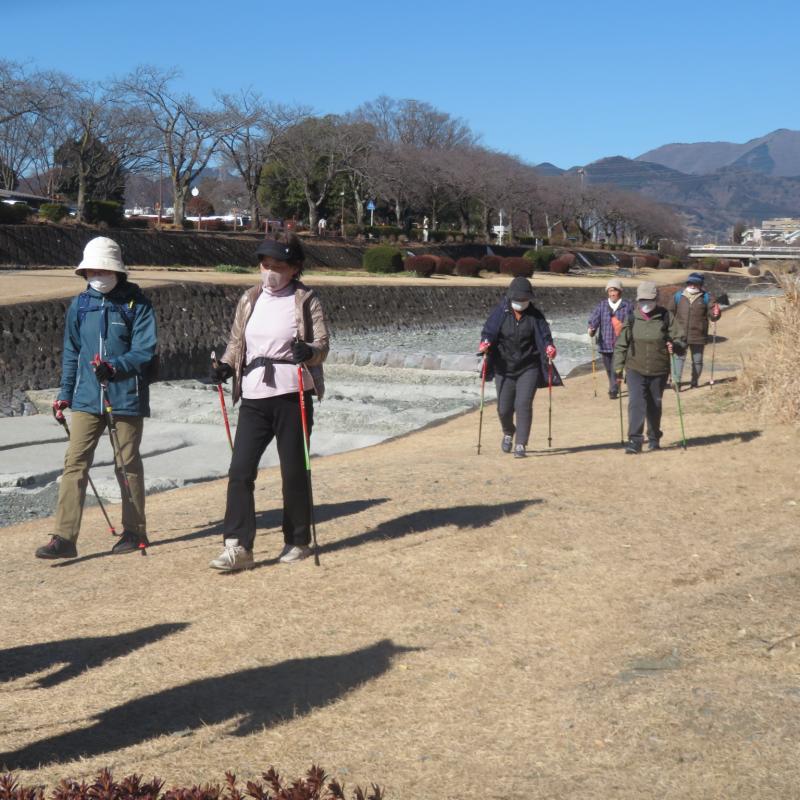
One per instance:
(28, 246)
(195, 318)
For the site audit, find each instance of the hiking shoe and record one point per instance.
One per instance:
(505, 445)
(653, 445)
(632, 449)
(519, 451)
(129, 543)
(295, 553)
(233, 558)
(57, 548)
(613, 395)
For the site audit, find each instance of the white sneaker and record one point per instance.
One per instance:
(233, 558)
(295, 553)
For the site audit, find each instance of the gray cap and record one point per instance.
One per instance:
(614, 283)
(520, 289)
(646, 290)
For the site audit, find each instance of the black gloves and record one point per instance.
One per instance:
(301, 352)
(220, 372)
(103, 371)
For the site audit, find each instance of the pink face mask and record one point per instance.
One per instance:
(274, 281)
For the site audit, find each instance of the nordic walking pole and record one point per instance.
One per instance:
(621, 428)
(678, 398)
(62, 420)
(713, 349)
(550, 406)
(222, 402)
(594, 368)
(308, 460)
(480, 413)
(116, 449)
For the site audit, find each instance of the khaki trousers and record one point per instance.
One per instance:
(85, 432)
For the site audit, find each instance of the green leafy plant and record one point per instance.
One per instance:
(236, 268)
(383, 259)
(106, 211)
(540, 258)
(13, 215)
(55, 212)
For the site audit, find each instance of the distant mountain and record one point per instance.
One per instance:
(546, 168)
(776, 154)
(710, 204)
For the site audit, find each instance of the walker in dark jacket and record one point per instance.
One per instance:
(517, 352)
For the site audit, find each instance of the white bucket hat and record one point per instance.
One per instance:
(614, 283)
(101, 253)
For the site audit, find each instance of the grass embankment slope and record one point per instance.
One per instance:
(578, 624)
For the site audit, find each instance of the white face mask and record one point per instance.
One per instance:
(103, 284)
(693, 289)
(274, 281)
(647, 307)
(520, 305)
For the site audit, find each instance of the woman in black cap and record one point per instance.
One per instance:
(519, 347)
(278, 325)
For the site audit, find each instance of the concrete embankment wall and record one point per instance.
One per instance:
(195, 318)
(28, 246)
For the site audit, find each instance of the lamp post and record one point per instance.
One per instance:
(195, 192)
(160, 187)
(341, 194)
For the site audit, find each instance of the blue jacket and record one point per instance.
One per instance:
(600, 321)
(491, 332)
(128, 346)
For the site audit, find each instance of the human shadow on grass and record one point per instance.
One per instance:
(463, 517)
(324, 512)
(77, 654)
(716, 438)
(261, 697)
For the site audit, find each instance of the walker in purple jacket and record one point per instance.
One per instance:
(606, 322)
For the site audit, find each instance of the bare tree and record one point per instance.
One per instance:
(255, 128)
(188, 134)
(414, 123)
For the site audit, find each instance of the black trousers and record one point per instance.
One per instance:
(644, 402)
(261, 421)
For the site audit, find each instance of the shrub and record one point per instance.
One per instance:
(422, 265)
(516, 267)
(235, 268)
(624, 261)
(55, 212)
(382, 231)
(525, 239)
(383, 259)
(540, 258)
(444, 265)
(559, 265)
(13, 215)
(651, 261)
(439, 236)
(491, 263)
(316, 785)
(107, 211)
(468, 267)
(774, 382)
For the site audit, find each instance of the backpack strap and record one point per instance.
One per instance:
(87, 303)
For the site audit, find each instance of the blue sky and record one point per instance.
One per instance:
(560, 82)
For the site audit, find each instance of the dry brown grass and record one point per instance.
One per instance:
(580, 624)
(772, 378)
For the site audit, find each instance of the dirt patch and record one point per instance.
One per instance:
(577, 624)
